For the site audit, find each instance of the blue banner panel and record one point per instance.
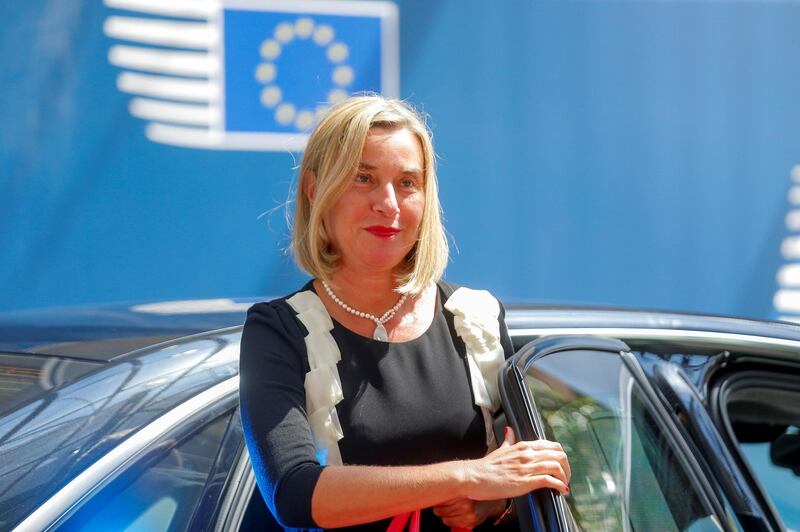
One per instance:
(629, 153)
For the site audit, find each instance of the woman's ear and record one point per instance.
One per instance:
(309, 185)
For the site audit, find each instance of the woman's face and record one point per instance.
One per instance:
(376, 221)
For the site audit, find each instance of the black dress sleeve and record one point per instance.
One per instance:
(272, 367)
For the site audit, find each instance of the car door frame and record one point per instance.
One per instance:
(550, 512)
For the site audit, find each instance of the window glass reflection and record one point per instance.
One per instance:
(625, 473)
(766, 424)
(23, 378)
(157, 497)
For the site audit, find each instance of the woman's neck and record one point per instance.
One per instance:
(375, 294)
(371, 292)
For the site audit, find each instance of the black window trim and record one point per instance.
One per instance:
(550, 516)
(222, 474)
(240, 487)
(702, 436)
(678, 439)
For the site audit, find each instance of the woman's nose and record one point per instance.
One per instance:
(386, 200)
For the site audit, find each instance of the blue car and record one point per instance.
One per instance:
(125, 418)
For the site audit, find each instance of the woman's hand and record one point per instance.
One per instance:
(466, 513)
(515, 468)
(350, 495)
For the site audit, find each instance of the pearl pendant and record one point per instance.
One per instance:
(380, 333)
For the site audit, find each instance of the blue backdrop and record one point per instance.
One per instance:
(623, 152)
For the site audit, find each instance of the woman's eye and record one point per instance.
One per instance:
(408, 183)
(362, 178)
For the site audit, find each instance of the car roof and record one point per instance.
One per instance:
(103, 332)
(561, 316)
(162, 350)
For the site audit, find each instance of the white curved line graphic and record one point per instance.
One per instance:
(179, 63)
(175, 8)
(188, 90)
(179, 113)
(162, 32)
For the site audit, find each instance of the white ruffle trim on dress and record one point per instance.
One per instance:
(476, 322)
(322, 383)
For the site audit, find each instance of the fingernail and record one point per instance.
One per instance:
(505, 431)
(567, 489)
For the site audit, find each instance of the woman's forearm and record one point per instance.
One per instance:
(349, 495)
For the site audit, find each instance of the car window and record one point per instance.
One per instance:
(765, 421)
(25, 377)
(158, 496)
(626, 473)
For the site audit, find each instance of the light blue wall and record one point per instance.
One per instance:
(622, 152)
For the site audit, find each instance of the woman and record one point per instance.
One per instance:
(376, 363)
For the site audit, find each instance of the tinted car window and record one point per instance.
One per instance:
(626, 474)
(23, 378)
(765, 421)
(52, 438)
(156, 496)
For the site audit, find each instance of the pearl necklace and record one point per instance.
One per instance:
(380, 331)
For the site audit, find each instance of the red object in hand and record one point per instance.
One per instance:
(399, 521)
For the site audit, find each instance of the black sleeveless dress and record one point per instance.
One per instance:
(406, 403)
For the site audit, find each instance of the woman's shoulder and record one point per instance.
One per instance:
(449, 288)
(277, 315)
(462, 300)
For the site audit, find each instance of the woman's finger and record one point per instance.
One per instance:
(543, 445)
(546, 481)
(560, 455)
(529, 454)
(450, 503)
(465, 520)
(467, 513)
(454, 507)
(443, 511)
(552, 468)
(509, 438)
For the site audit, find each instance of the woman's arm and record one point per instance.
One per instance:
(272, 407)
(349, 495)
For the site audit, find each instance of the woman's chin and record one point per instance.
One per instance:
(378, 262)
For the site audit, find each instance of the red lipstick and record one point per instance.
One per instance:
(381, 231)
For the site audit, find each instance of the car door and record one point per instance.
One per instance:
(757, 407)
(631, 471)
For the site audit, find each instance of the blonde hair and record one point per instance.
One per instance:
(329, 164)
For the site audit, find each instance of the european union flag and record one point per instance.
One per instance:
(250, 74)
(284, 69)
